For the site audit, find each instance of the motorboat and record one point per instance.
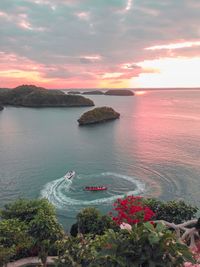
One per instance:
(69, 175)
(95, 188)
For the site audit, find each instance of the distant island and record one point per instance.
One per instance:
(119, 92)
(96, 92)
(98, 115)
(74, 93)
(1, 108)
(33, 96)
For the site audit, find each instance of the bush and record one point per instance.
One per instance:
(144, 246)
(90, 220)
(14, 239)
(171, 211)
(36, 220)
(77, 251)
(26, 210)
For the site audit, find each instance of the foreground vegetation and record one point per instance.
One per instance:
(131, 235)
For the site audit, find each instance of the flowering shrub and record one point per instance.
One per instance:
(144, 245)
(131, 210)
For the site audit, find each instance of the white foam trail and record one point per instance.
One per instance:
(56, 192)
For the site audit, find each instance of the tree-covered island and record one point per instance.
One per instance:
(98, 115)
(33, 96)
(120, 92)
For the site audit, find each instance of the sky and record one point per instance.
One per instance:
(100, 43)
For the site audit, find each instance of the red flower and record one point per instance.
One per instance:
(131, 210)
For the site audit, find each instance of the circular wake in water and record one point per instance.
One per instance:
(63, 193)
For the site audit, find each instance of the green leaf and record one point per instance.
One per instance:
(153, 239)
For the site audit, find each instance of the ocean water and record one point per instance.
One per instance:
(152, 150)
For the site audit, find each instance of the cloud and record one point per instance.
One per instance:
(83, 15)
(94, 38)
(131, 66)
(174, 46)
(90, 59)
(129, 5)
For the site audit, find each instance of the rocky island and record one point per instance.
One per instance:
(98, 115)
(119, 92)
(33, 96)
(96, 92)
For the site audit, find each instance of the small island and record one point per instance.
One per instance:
(120, 92)
(1, 107)
(96, 92)
(98, 115)
(33, 96)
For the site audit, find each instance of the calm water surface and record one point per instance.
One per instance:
(152, 150)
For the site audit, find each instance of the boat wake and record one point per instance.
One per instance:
(63, 193)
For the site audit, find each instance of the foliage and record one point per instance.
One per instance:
(171, 211)
(45, 230)
(5, 255)
(74, 229)
(26, 210)
(30, 227)
(14, 239)
(37, 220)
(146, 245)
(90, 220)
(44, 226)
(131, 210)
(77, 251)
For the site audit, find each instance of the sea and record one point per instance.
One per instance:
(153, 150)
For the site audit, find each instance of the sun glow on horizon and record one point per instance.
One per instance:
(140, 93)
(162, 72)
(170, 72)
(112, 83)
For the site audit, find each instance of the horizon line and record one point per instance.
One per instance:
(109, 88)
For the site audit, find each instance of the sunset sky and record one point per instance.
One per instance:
(100, 43)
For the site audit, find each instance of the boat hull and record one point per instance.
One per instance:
(70, 175)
